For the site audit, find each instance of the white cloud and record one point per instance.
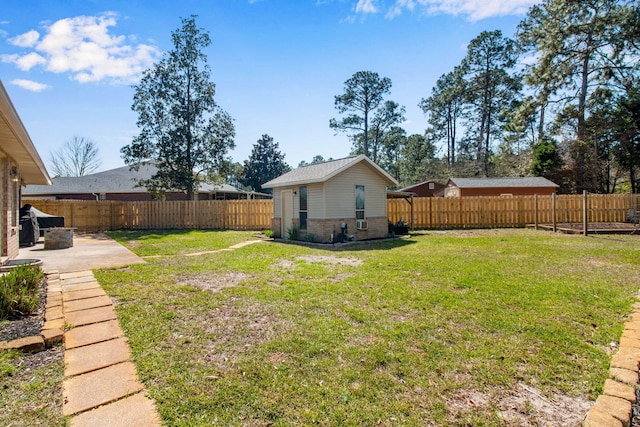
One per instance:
(29, 85)
(27, 39)
(366, 6)
(83, 47)
(400, 5)
(24, 62)
(474, 9)
(478, 9)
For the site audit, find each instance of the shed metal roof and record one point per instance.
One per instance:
(321, 172)
(534, 181)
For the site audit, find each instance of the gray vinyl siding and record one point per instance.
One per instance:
(336, 198)
(340, 193)
(315, 201)
(277, 203)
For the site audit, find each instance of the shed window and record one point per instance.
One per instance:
(360, 202)
(303, 207)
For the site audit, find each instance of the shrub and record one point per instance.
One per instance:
(20, 291)
(269, 233)
(309, 237)
(292, 233)
(399, 228)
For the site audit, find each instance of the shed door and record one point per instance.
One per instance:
(286, 202)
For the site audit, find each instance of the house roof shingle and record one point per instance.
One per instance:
(119, 180)
(321, 172)
(535, 181)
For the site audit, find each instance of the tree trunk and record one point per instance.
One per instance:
(582, 97)
(486, 145)
(365, 147)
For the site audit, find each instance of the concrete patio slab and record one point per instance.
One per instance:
(86, 293)
(95, 356)
(96, 388)
(92, 334)
(84, 304)
(89, 251)
(133, 411)
(92, 315)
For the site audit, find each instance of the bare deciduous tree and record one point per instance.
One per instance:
(77, 157)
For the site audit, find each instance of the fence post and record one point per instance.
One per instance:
(553, 211)
(535, 211)
(585, 211)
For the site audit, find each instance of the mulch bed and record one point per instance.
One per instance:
(26, 326)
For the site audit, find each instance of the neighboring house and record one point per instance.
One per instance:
(319, 198)
(121, 184)
(20, 164)
(425, 189)
(465, 187)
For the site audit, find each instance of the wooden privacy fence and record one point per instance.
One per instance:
(112, 215)
(428, 212)
(510, 211)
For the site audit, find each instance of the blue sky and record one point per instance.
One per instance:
(277, 65)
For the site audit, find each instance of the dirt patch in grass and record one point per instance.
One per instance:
(215, 282)
(284, 264)
(287, 264)
(352, 262)
(529, 407)
(237, 329)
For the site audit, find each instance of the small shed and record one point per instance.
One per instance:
(466, 187)
(319, 199)
(425, 189)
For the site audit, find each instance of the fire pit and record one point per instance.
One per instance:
(58, 237)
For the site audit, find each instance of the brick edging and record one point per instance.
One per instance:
(52, 331)
(613, 407)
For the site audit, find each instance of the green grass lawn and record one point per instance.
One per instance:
(31, 388)
(479, 327)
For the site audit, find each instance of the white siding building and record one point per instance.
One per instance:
(319, 199)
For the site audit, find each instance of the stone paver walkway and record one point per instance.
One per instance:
(100, 387)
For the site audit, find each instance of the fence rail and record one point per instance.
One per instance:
(428, 212)
(112, 215)
(510, 211)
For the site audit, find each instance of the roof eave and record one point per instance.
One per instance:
(17, 144)
(292, 183)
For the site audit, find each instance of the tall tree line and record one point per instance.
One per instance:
(570, 115)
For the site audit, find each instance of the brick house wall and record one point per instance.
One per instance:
(322, 229)
(9, 200)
